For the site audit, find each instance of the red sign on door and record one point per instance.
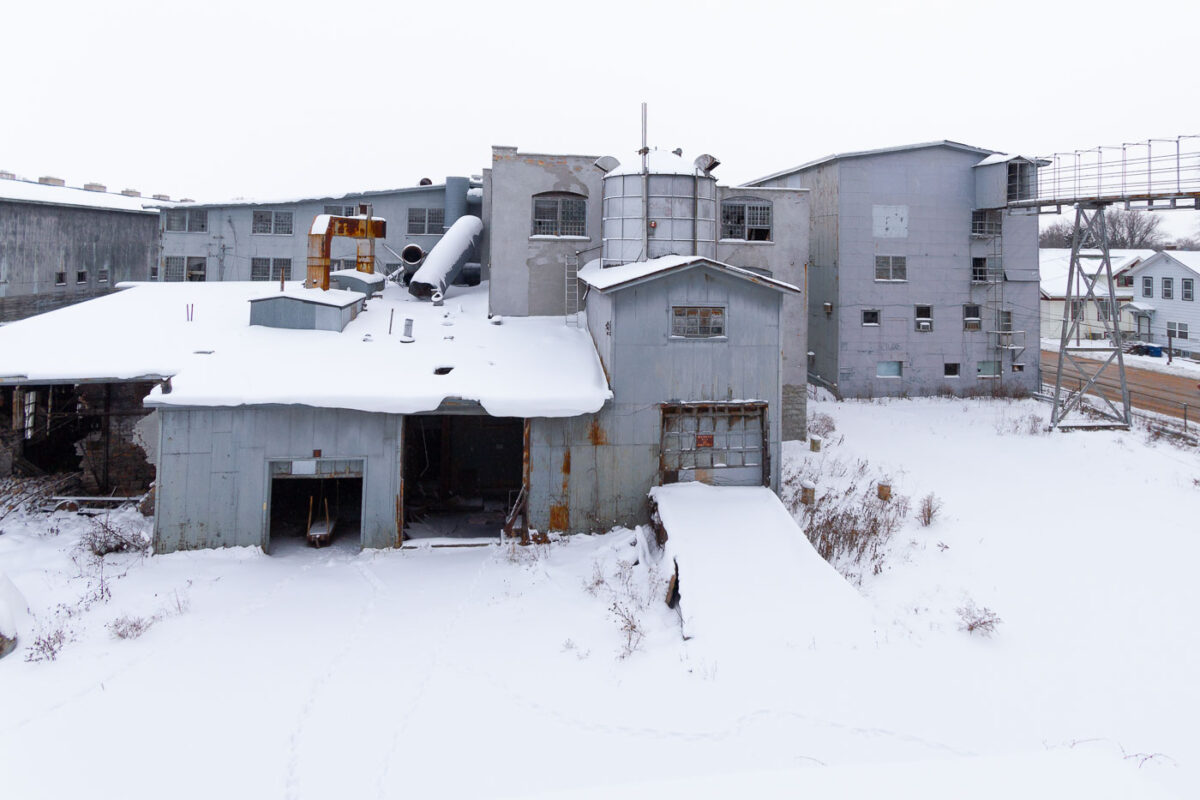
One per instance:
(704, 440)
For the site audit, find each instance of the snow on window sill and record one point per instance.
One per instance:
(677, 338)
(745, 241)
(541, 237)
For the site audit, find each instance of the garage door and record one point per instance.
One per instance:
(716, 443)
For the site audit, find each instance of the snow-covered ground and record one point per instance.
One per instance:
(1178, 366)
(512, 672)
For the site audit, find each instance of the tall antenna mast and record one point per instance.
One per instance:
(645, 151)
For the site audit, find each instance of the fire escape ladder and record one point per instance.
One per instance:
(571, 290)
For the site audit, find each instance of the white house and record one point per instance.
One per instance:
(1164, 304)
(1055, 264)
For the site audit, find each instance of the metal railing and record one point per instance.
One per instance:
(1185, 422)
(1157, 172)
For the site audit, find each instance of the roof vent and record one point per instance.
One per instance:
(425, 182)
(166, 197)
(131, 193)
(606, 163)
(706, 163)
(678, 151)
(186, 200)
(95, 187)
(49, 181)
(5, 175)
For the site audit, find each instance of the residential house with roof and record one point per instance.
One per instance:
(1164, 305)
(920, 278)
(1055, 264)
(61, 244)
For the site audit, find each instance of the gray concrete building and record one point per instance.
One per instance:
(61, 245)
(920, 280)
(248, 240)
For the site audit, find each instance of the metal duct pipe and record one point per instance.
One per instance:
(456, 200)
(412, 255)
(447, 258)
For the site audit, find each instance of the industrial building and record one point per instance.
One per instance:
(261, 240)
(61, 245)
(632, 332)
(921, 279)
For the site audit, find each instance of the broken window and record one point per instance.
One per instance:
(81, 276)
(870, 316)
(1022, 180)
(275, 222)
(950, 370)
(60, 279)
(746, 219)
(697, 322)
(891, 268)
(923, 318)
(426, 221)
(698, 439)
(972, 321)
(197, 267)
(197, 220)
(986, 223)
(560, 214)
(986, 270)
(176, 219)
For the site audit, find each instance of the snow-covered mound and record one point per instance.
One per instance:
(748, 575)
(13, 611)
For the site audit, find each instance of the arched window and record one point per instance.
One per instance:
(559, 214)
(746, 218)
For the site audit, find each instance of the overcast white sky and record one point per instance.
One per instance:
(218, 99)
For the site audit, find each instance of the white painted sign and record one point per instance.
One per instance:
(304, 467)
(889, 222)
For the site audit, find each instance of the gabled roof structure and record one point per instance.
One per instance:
(879, 151)
(606, 279)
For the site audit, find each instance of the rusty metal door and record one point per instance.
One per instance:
(723, 444)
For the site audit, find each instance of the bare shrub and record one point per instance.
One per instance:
(129, 627)
(1029, 424)
(630, 625)
(821, 425)
(47, 645)
(978, 620)
(105, 537)
(929, 508)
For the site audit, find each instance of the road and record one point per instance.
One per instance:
(1148, 390)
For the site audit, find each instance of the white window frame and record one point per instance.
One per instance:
(562, 226)
(957, 369)
(81, 277)
(1168, 288)
(1187, 289)
(927, 319)
(174, 269)
(747, 219)
(1147, 286)
(277, 220)
(894, 265)
(883, 371)
(995, 372)
(972, 323)
(426, 221)
(191, 220)
(878, 317)
(1177, 331)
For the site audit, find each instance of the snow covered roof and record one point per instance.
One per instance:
(338, 298)
(1188, 259)
(1055, 265)
(373, 278)
(1137, 305)
(619, 277)
(332, 197)
(48, 194)
(1002, 158)
(658, 162)
(524, 367)
(878, 151)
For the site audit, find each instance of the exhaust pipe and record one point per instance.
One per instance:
(446, 259)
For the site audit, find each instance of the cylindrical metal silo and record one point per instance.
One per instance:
(673, 203)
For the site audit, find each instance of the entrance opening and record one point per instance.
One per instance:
(723, 444)
(330, 509)
(461, 474)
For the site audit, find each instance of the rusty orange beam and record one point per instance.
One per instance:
(319, 243)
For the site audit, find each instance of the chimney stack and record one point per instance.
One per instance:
(131, 193)
(95, 187)
(5, 175)
(166, 197)
(49, 181)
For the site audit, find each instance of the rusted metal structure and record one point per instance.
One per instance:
(364, 227)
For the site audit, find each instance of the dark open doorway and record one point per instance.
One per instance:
(461, 474)
(303, 504)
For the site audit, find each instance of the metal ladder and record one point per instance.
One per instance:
(571, 291)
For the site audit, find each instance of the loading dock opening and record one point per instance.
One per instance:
(304, 494)
(462, 474)
(723, 444)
